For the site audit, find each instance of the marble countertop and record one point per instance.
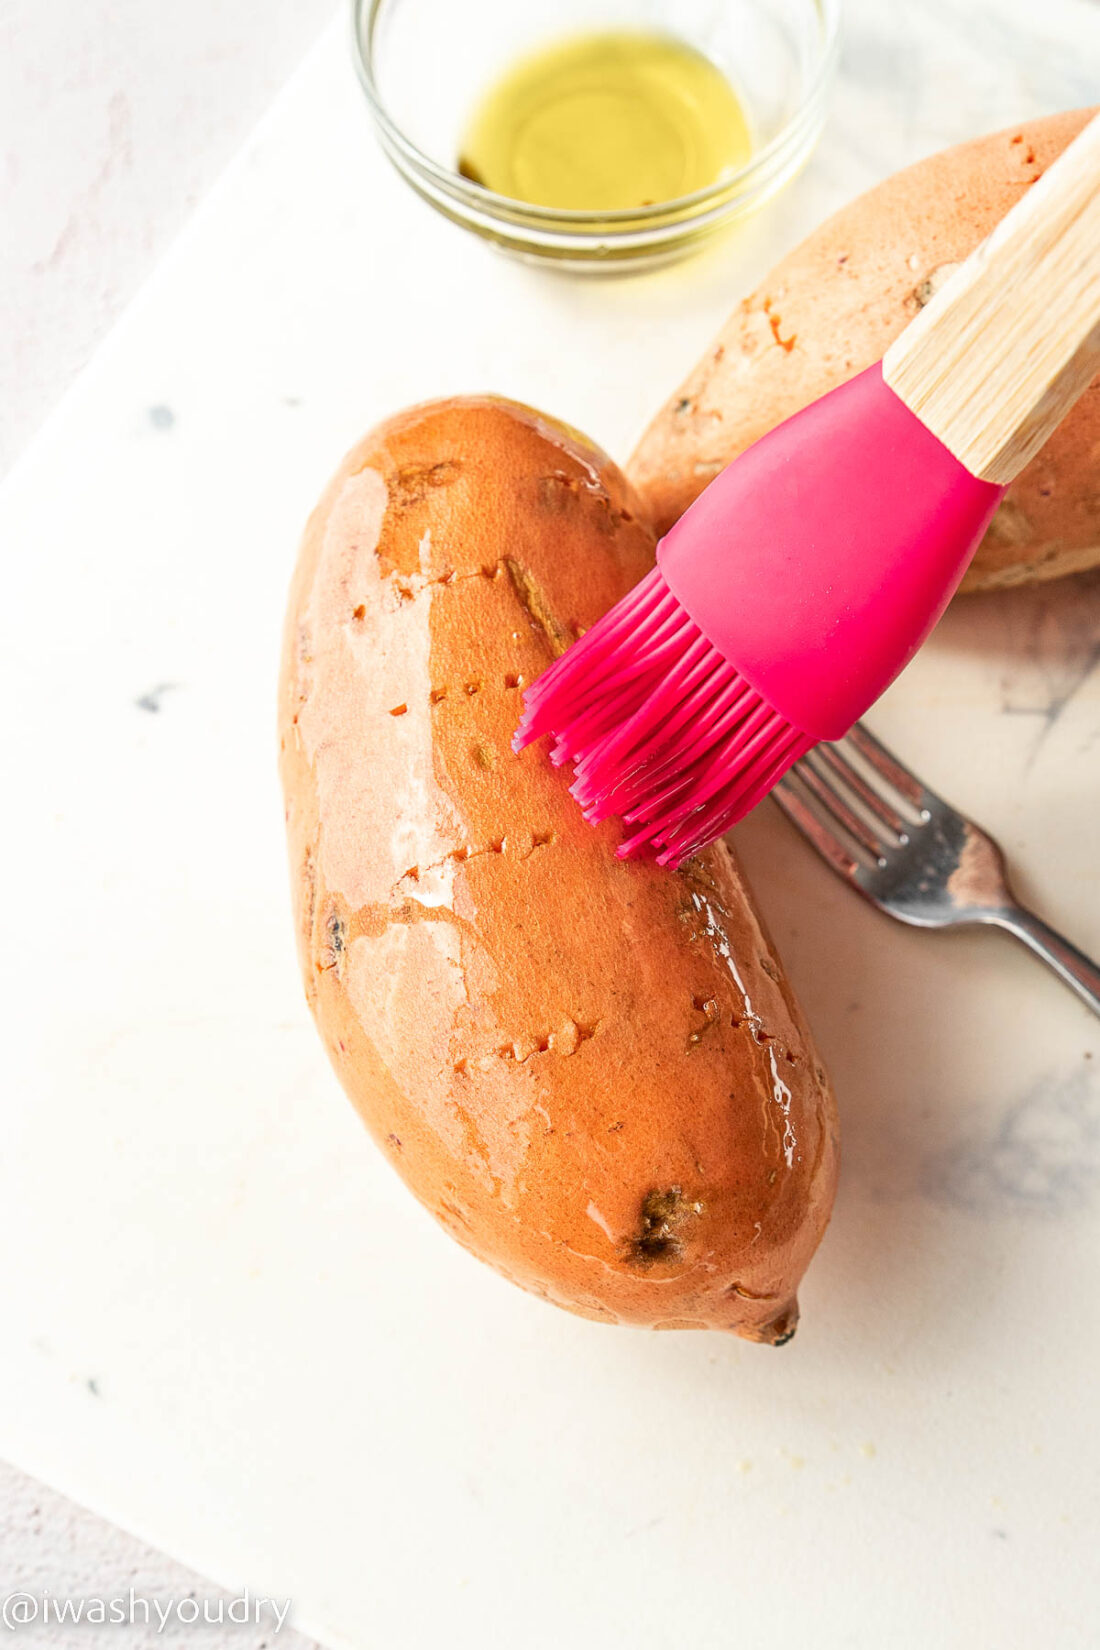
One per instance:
(115, 118)
(292, 1379)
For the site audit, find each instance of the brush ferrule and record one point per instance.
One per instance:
(818, 561)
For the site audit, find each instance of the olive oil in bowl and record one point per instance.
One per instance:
(607, 122)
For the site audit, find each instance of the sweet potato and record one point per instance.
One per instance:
(833, 306)
(593, 1073)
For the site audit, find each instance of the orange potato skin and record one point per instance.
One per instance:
(833, 306)
(593, 1073)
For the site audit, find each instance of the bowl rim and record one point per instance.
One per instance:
(742, 181)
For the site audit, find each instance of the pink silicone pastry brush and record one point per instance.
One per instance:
(808, 573)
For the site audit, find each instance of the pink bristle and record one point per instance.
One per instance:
(576, 676)
(658, 778)
(710, 788)
(662, 676)
(749, 785)
(744, 742)
(696, 823)
(617, 697)
(667, 754)
(710, 723)
(615, 764)
(659, 727)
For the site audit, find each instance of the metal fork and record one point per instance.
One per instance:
(910, 853)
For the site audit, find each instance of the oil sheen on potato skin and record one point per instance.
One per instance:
(607, 122)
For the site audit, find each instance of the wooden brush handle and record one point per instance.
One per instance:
(997, 358)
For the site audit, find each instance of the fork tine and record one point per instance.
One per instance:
(789, 795)
(886, 764)
(833, 757)
(832, 800)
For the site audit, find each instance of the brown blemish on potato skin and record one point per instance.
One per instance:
(331, 953)
(708, 1008)
(564, 1041)
(537, 608)
(744, 1294)
(549, 949)
(413, 483)
(926, 290)
(666, 1216)
(558, 492)
(775, 323)
(778, 1331)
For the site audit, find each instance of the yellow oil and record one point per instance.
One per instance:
(607, 121)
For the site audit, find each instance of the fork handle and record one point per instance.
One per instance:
(1070, 965)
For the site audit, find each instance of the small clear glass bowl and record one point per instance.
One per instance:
(425, 64)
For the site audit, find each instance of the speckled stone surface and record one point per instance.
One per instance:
(115, 118)
(51, 1549)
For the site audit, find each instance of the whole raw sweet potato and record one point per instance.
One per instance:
(593, 1073)
(833, 306)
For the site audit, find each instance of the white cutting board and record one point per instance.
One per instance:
(225, 1324)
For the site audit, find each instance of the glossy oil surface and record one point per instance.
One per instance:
(606, 122)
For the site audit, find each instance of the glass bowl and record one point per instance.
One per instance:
(425, 64)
